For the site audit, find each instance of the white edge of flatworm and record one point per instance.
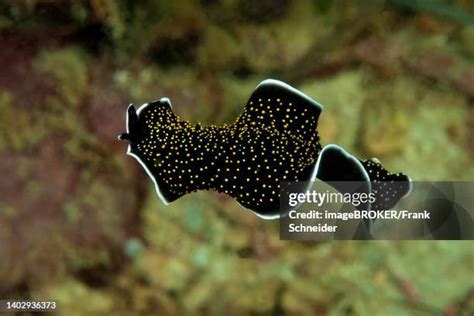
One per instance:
(410, 181)
(267, 217)
(166, 100)
(359, 164)
(294, 90)
(129, 152)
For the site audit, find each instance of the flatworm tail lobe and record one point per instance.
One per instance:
(340, 169)
(388, 187)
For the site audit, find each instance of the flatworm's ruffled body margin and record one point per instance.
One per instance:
(275, 139)
(348, 175)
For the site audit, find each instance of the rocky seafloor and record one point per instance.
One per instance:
(80, 221)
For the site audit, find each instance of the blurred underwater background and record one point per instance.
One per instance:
(80, 221)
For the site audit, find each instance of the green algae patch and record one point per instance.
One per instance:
(220, 50)
(68, 70)
(77, 298)
(19, 129)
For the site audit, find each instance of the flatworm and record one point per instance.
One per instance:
(274, 140)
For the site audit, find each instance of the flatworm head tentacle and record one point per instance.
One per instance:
(275, 139)
(137, 131)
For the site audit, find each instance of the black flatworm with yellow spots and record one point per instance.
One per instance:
(274, 139)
